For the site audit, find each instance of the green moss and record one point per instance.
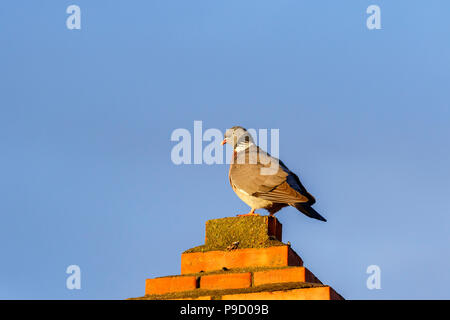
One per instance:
(217, 294)
(249, 231)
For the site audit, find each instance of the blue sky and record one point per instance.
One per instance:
(86, 117)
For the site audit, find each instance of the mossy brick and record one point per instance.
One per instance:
(249, 231)
(170, 284)
(292, 274)
(316, 293)
(242, 258)
(226, 281)
(218, 294)
(275, 256)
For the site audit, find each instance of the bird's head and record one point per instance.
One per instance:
(237, 136)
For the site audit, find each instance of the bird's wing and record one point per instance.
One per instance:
(282, 187)
(293, 180)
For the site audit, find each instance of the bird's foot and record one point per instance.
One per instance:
(251, 213)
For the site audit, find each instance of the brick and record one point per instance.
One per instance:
(226, 281)
(295, 274)
(277, 256)
(197, 298)
(274, 228)
(170, 284)
(317, 293)
(220, 233)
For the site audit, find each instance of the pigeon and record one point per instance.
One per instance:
(262, 181)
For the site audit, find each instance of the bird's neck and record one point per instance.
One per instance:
(243, 145)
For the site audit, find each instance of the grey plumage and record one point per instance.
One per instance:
(272, 191)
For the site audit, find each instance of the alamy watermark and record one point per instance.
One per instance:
(190, 148)
(74, 20)
(74, 280)
(374, 280)
(374, 20)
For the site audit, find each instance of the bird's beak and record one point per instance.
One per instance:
(223, 142)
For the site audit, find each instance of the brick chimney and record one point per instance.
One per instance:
(243, 258)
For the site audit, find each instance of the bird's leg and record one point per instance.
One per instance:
(251, 213)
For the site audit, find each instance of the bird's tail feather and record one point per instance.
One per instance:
(308, 210)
